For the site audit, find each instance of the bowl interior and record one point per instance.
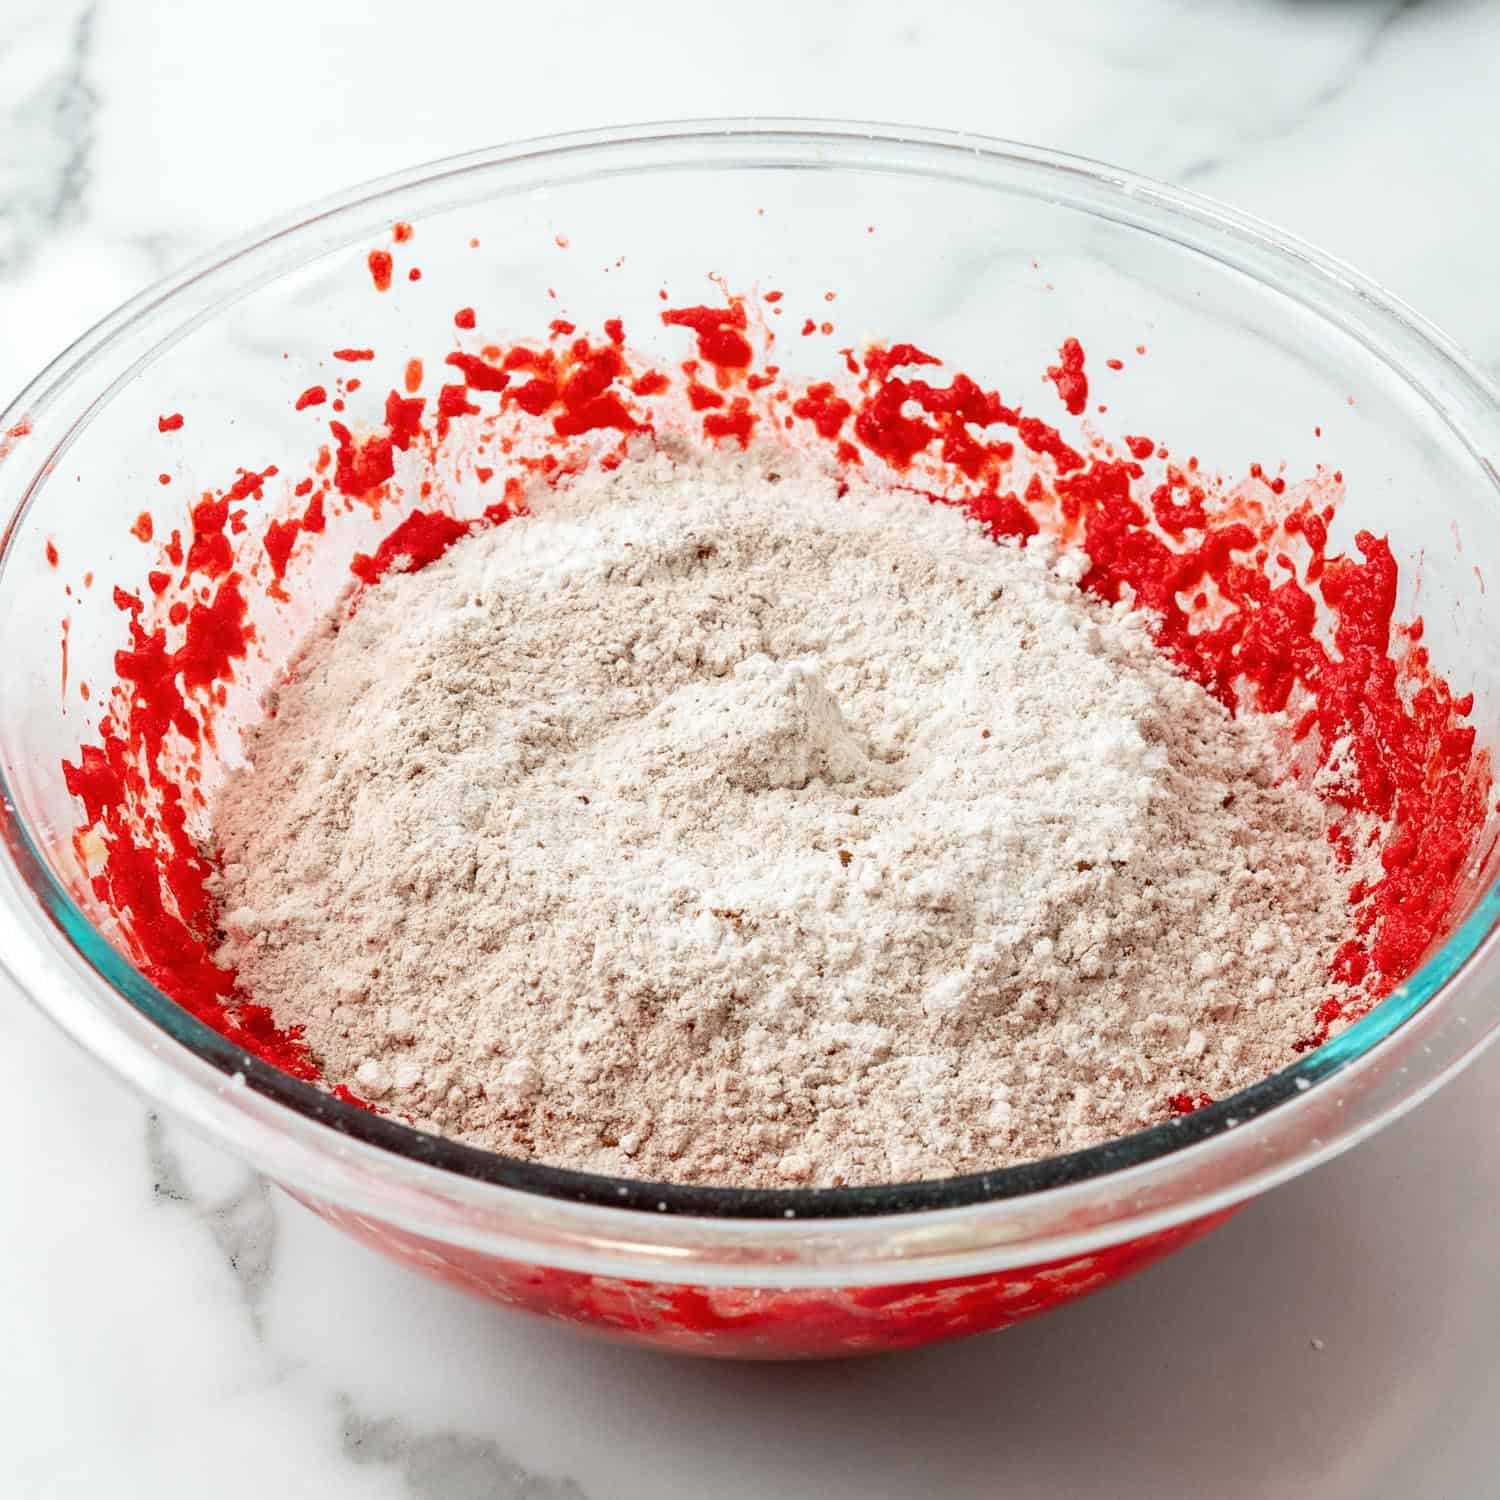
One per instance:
(1229, 350)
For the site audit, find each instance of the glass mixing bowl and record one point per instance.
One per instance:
(1255, 348)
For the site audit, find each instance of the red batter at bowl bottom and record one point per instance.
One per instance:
(747, 1322)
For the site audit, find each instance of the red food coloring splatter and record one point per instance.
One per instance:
(824, 408)
(453, 401)
(353, 356)
(12, 435)
(314, 395)
(1115, 364)
(464, 318)
(210, 551)
(172, 423)
(535, 396)
(143, 527)
(1003, 515)
(281, 536)
(1185, 1104)
(1040, 438)
(880, 362)
(381, 265)
(249, 484)
(591, 414)
(363, 466)
(420, 539)
(477, 374)
(738, 422)
(403, 419)
(401, 232)
(51, 551)
(1175, 517)
(884, 426)
(719, 330)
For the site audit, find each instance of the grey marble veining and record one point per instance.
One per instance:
(47, 134)
(447, 1465)
(244, 1228)
(241, 1223)
(434, 1463)
(1298, 114)
(168, 1180)
(176, 1327)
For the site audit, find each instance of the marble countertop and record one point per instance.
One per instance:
(171, 1326)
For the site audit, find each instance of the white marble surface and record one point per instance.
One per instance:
(171, 1327)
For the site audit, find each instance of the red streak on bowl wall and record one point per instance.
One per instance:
(750, 1322)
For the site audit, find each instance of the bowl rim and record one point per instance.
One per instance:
(240, 265)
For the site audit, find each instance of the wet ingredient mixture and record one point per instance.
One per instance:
(725, 819)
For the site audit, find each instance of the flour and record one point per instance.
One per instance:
(708, 826)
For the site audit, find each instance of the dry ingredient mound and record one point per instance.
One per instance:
(711, 825)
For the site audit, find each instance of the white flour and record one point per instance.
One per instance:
(709, 827)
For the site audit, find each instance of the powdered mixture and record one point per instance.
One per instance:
(706, 825)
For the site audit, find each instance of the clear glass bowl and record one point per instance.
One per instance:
(1257, 348)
